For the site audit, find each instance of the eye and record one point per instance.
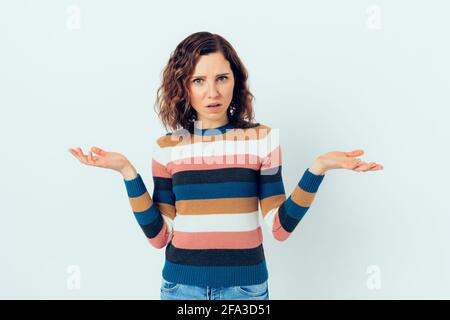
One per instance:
(198, 79)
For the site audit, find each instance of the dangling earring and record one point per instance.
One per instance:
(232, 109)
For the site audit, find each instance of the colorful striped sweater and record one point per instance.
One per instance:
(204, 210)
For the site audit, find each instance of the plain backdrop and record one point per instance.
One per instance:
(330, 75)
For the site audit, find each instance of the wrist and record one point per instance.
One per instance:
(317, 168)
(128, 172)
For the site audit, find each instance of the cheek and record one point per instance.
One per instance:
(196, 98)
(229, 89)
(196, 93)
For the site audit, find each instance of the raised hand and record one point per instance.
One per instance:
(343, 160)
(101, 158)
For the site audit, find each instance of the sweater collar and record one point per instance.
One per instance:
(210, 131)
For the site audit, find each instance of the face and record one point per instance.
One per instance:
(211, 83)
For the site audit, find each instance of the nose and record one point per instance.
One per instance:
(212, 91)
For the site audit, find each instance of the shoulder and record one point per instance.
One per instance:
(172, 138)
(261, 126)
(256, 125)
(262, 130)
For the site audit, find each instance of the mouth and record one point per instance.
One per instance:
(214, 105)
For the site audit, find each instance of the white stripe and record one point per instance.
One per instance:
(216, 222)
(169, 222)
(260, 147)
(270, 218)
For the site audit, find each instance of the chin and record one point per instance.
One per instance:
(214, 116)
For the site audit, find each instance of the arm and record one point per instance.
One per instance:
(154, 214)
(282, 215)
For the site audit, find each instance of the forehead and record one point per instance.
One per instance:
(212, 63)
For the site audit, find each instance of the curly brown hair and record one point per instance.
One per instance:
(173, 100)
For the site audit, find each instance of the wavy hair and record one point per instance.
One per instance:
(173, 100)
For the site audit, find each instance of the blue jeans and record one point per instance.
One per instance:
(179, 291)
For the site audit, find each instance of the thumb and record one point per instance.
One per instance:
(355, 153)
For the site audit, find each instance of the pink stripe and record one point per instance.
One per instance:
(161, 239)
(278, 231)
(159, 170)
(215, 162)
(218, 240)
(273, 159)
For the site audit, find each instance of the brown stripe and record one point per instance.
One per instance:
(222, 205)
(141, 203)
(271, 202)
(302, 198)
(166, 209)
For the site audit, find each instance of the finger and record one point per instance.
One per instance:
(90, 160)
(368, 167)
(83, 158)
(80, 152)
(378, 167)
(98, 151)
(355, 153)
(74, 153)
(361, 167)
(94, 159)
(375, 166)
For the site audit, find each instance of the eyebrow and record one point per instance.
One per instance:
(220, 74)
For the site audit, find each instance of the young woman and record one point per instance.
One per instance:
(210, 175)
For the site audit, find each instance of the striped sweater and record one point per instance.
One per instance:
(208, 187)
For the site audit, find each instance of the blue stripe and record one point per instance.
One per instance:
(223, 276)
(164, 196)
(215, 257)
(151, 230)
(287, 222)
(294, 210)
(135, 187)
(310, 182)
(271, 189)
(147, 216)
(216, 190)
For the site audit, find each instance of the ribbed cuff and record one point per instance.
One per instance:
(310, 182)
(135, 187)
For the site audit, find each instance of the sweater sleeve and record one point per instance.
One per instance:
(154, 214)
(282, 215)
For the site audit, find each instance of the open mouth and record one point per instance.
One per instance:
(215, 105)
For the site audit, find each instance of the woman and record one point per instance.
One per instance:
(204, 207)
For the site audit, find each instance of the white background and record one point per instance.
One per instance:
(331, 75)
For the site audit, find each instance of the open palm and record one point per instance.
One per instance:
(101, 158)
(347, 160)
